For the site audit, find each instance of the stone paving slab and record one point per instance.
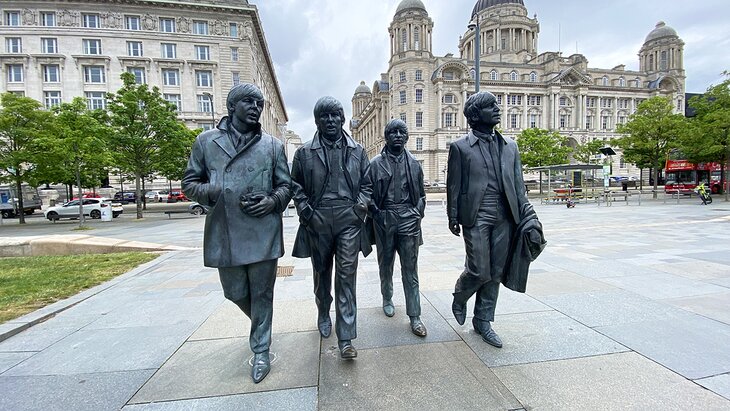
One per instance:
(537, 337)
(298, 399)
(37, 338)
(542, 284)
(659, 286)
(625, 381)
(446, 376)
(714, 306)
(78, 392)
(11, 359)
(509, 302)
(719, 384)
(691, 345)
(207, 368)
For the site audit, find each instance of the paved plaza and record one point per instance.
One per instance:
(628, 307)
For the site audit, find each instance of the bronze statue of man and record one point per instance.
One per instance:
(242, 174)
(397, 208)
(485, 196)
(332, 192)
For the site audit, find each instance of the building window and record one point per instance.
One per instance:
(448, 99)
(51, 99)
(204, 104)
(134, 48)
(92, 46)
(663, 63)
(513, 76)
(90, 21)
(499, 99)
(419, 95)
(419, 75)
(236, 78)
(448, 75)
(638, 82)
(563, 121)
(679, 104)
(403, 117)
(623, 103)
(49, 45)
(404, 40)
(533, 77)
(233, 29)
(94, 74)
(48, 19)
(202, 52)
(175, 100)
(534, 100)
(13, 45)
(563, 101)
(15, 73)
(132, 23)
(167, 25)
(504, 43)
(419, 119)
(417, 38)
(590, 101)
(234, 53)
(604, 81)
(513, 120)
(171, 77)
(206, 126)
(200, 27)
(139, 74)
(622, 82)
(402, 76)
(402, 97)
(533, 120)
(621, 119)
(204, 78)
(419, 143)
(95, 100)
(493, 75)
(12, 18)
(448, 119)
(514, 99)
(51, 73)
(606, 102)
(604, 123)
(589, 122)
(621, 162)
(169, 50)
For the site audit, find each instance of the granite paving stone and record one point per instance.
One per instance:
(714, 306)
(659, 286)
(509, 302)
(298, 399)
(719, 384)
(424, 376)
(222, 368)
(625, 381)
(691, 345)
(11, 359)
(38, 337)
(541, 284)
(537, 337)
(77, 392)
(698, 270)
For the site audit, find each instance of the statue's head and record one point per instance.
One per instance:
(482, 111)
(329, 117)
(244, 102)
(396, 135)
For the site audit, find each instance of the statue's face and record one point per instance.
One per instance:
(329, 124)
(489, 115)
(396, 139)
(248, 111)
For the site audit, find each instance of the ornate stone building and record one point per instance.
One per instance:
(543, 90)
(193, 50)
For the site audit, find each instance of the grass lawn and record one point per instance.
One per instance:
(29, 283)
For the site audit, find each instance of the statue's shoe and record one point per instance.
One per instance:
(261, 367)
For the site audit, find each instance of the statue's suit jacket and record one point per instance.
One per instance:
(310, 175)
(466, 181)
(218, 176)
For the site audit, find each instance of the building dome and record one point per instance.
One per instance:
(485, 4)
(410, 4)
(362, 88)
(661, 30)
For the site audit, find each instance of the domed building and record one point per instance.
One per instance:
(535, 89)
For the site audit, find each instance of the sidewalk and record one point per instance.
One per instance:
(627, 308)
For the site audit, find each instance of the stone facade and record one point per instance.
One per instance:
(544, 90)
(54, 51)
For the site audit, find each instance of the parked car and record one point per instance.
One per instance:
(198, 209)
(157, 196)
(88, 194)
(9, 203)
(176, 195)
(93, 207)
(125, 197)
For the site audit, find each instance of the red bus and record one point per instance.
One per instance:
(683, 176)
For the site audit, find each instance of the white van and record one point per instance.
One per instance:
(9, 200)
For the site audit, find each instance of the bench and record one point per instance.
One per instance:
(171, 212)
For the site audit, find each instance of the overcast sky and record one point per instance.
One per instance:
(326, 47)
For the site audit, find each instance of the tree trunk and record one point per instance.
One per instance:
(81, 198)
(138, 192)
(655, 173)
(19, 208)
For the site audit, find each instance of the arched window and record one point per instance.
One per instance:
(638, 82)
(417, 38)
(621, 82)
(604, 81)
(651, 62)
(533, 77)
(404, 39)
(513, 76)
(493, 75)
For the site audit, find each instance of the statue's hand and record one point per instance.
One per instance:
(454, 227)
(261, 208)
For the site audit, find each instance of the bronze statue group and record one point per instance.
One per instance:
(346, 203)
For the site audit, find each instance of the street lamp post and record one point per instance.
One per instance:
(475, 26)
(212, 110)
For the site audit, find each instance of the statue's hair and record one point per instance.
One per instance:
(240, 92)
(328, 104)
(393, 124)
(476, 102)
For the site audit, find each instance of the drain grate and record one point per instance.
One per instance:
(284, 270)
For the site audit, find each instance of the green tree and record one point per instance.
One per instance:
(539, 147)
(22, 122)
(709, 139)
(584, 152)
(179, 153)
(650, 133)
(146, 132)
